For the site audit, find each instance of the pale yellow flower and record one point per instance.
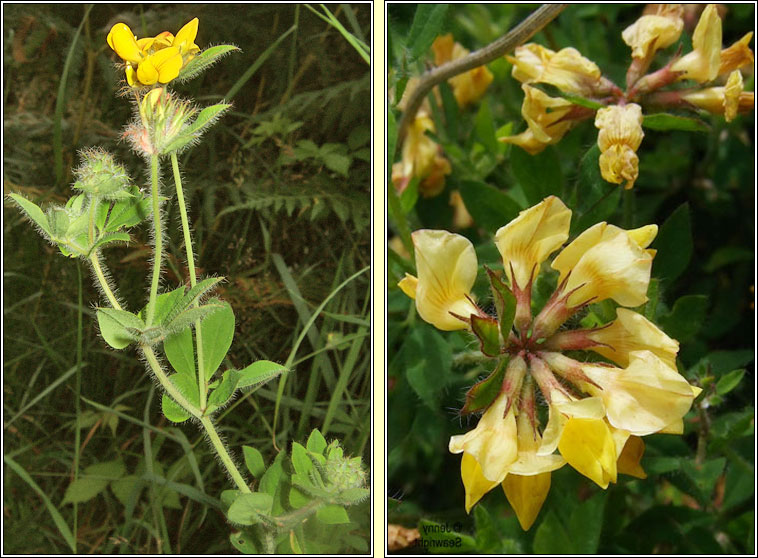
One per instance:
(655, 31)
(526, 494)
(546, 118)
(588, 446)
(493, 443)
(475, 483)
(645, 397)
(702, 64)
(736, 56)
(530, 238)
(447, 266)
(728, 100)
(629, 332)
(607, 262)
(468, 87)
(421, 158)
(629, 460)
(619, 138)
(566, 69)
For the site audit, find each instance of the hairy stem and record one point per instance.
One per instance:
(201, 382)
(516, 36)
(94, 259)
(158, 239)
(166, 383)
(223, 454)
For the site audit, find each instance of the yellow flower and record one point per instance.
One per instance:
(493, 443)
(728, 100)
(656, 31)
(530, 238)
(629, 332)
(475, 483)
(468, 87)
(566, 69)
(629, 461)
(446, 265)
(607, 262)
(546, 118)
(619, 138)
(154, 59)
(588, 446)
(421, 159)
(736, 56)
(526, 494)
(645, 397)
(462, 219)
(702, 64)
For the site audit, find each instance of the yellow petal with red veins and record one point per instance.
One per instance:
(526, 496)
(121, 39)
(530, 238)
(447, 266)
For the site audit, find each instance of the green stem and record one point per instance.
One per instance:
(95, 260)
(223, 454)
(201, 381)
(78, 388)
(167, 384)
(158, 240)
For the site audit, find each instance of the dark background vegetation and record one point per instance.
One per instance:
(254, 191)
(700, 189)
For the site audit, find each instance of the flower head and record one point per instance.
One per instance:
(156, 59)
(468, 87)
(619, 138)
(728, 100)
(596, 410)
(653, 32)
(702, 64)
(421, 158)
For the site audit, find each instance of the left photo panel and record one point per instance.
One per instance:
(187, 263)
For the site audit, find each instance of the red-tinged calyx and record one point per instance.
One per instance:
(544, 377)
(573, 340)
(567, 368)
(556, 312)
(514, 376)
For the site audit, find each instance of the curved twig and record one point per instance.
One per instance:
(516, 36)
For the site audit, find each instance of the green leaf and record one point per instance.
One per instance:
(487, 330)
(34, 213)
(332, 515)
(164, 303)
(128, 212)
(427, 23)
(686, 317)
(483, 393)
(93, 481)
(553, 91)
(107, 238)
(730, 381)
(597, 200)
(118, 326)
(316, 442)
(248, 508)
(490, 207)
(272, 476)
(337, 162)
(391, 141)
(674, 245)
(539, 175)
(484, 129)
(551, 537)
(586, 524)
(223, 393)
(259, 372)
(704, 476)
(300, 460)
(127, 489)
(244, 542)
(253, 461)
(432, 359)
(505, 303)
(664, 121)
(409, 195)
(218, 332)
(204, 60)
(191, 316)
(187, 386)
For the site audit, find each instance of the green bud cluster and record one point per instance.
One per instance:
(101, 176)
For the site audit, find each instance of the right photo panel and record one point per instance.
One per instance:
(570, 278)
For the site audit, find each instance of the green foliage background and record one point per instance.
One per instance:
(698, 187)
(279, 202)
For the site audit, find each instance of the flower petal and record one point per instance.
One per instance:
(122, 40)
(526, 496)
(474, 481)
(530, 238)
(447, 266)
(588, 446)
